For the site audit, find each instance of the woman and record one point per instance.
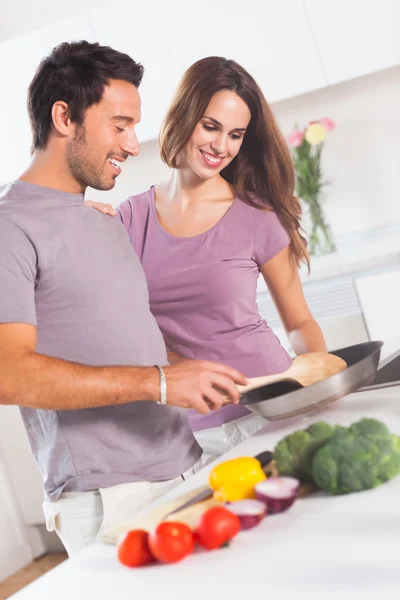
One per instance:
(225, 214)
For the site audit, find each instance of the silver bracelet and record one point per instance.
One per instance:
(163, 386)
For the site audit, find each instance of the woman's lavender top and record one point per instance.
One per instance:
(203, 289)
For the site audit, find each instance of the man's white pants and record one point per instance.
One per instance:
(80, 517)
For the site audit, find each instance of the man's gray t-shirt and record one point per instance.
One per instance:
(71, 271)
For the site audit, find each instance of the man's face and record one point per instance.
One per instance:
(106, 138)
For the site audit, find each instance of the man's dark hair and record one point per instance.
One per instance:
(77, 74)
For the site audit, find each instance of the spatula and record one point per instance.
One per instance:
(305, 369)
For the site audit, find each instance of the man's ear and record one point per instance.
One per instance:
(61, 119)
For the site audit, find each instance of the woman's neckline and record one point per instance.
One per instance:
(192, 237)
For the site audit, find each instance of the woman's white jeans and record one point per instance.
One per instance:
(79, 517)
(215, 441)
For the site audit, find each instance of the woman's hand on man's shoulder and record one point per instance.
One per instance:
(108, 209)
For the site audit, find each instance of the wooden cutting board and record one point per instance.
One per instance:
(149, 518)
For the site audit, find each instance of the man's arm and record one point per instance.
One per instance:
(34, 380)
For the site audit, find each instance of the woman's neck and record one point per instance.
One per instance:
(184, 189)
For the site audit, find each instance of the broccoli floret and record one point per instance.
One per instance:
(390, 465)
(362, 457)
(340, 460)
(370, 428)
(293, 455)
(289, 454)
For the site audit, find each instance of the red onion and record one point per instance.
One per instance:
(278, 493)
(250, 512)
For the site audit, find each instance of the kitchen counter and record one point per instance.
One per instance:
(344, 547)
(357, 252)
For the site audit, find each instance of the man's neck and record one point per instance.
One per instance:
(48, 171)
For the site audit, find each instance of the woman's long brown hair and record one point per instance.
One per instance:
(263, 167)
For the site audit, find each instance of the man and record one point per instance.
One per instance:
(74, 304)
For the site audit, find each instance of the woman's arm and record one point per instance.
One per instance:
(173, 357)
(283, 281)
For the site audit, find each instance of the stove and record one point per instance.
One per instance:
(388, 373)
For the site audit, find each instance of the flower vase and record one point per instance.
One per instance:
(319, 232)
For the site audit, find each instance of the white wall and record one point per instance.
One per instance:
(361, 158)
(21, 16)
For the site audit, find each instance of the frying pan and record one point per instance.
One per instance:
(288, 398)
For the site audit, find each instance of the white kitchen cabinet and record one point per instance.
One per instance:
(26, 479)
(355, 37)
(15, 551)
(379, 296)
(34, 15)
(19, 58)
(270, 38)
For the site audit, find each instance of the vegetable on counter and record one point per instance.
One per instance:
(133, 550)
(359, 458)
(340, 460)
(233, 492)
(250, 512)
(171, 541)
(217, 526)
(278, 493)
(293, 455)
(235, 479)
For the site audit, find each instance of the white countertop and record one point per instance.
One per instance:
(345, 547)
(364, 251)
(367, 250)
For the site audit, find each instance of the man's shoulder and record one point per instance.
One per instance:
(8, 220)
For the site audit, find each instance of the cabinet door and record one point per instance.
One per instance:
(24, 474)
(19, 18)
(19, 58)
(379, 296)
(355, 37)
(270, 38)
(15, 552)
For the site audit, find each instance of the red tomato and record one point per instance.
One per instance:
(216, 527)
(134, 549)
(171, 541)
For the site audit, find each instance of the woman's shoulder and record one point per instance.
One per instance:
(141, 198)
(270, 236)
(135, 208)
(137, 202)
(259, 209)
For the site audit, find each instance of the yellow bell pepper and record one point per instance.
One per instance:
(235, 479)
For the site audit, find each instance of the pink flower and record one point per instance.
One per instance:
(327, 123)
(296, 138)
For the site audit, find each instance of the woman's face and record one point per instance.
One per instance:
(218, 136)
